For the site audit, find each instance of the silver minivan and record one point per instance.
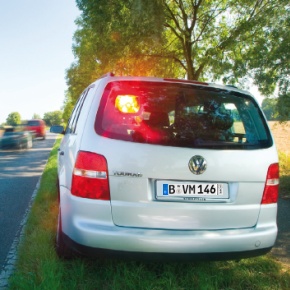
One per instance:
(159, 168)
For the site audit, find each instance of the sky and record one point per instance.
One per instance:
(35, 51)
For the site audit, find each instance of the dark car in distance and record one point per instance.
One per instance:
(15, 138)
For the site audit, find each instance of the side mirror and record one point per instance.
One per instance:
(57, 129)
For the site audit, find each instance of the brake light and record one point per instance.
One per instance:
(270, 194)
(90, 176)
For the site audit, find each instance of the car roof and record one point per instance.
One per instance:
(110, 77)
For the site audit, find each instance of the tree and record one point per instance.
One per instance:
(13, 119)
(197, 36)
(111, 37)
(283, 106)
(271, 55)
(68, 107)
(36, 116)
(198, 39)
(269, 106)
(53, 118)
(270, 62)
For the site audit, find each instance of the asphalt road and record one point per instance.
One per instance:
(20, 171)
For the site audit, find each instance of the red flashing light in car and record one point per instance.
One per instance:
(127, 104)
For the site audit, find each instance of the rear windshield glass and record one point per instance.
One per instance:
(33, 123)
(181, 115)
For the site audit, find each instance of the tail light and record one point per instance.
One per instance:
(90, 176)
(270, 194)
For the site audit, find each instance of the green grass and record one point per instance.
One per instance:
(38, 266)
(284, 164)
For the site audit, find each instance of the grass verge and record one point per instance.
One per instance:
(38, 266)
(284, 163)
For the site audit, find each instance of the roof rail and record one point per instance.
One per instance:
(232, 86)
(186, 81)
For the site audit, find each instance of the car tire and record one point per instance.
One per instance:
(62, 250)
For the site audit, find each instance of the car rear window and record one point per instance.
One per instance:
(33, 123)
(181, 115)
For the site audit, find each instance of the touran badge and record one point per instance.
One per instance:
(197, 164)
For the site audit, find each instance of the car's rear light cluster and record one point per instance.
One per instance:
(271, 189)
(90, 176)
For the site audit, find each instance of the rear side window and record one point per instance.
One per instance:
(181, 115)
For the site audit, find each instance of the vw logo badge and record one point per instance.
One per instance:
(197, 164)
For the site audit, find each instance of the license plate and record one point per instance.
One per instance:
(191, 190)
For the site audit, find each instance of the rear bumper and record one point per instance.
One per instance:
(89, 239)
(179, 242)
(161, 256)
(88, 228)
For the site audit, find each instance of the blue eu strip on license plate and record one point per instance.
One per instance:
(165, 189)
(196, 189)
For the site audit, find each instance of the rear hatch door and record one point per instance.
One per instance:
(227, 195)
(183, 156)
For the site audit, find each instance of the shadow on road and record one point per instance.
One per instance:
(25, 162)
(20, 171)
(282, 246)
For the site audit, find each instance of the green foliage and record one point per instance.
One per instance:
(215, 40)
(53, 118)
(284, 163)
(13, 119)
(271, 54)
(283, 106)
(270, 58)
(68, 107)
(284, 166)
(36, 116)
(269, 106)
